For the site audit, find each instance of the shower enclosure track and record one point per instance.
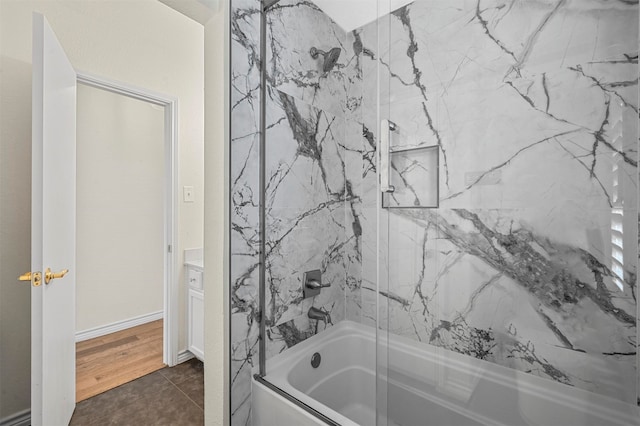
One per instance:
(295, 401)
(262, 183)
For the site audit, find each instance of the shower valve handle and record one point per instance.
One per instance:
(314, 284)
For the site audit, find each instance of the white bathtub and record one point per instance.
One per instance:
(423, 386)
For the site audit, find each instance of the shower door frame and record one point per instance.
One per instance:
(381, 334)
(260, 376)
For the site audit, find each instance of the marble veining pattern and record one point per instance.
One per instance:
(245, 85)
(311, 200)
(530, 259)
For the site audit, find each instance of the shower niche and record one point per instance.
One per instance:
(414, 178)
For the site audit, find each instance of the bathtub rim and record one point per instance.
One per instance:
(261, 381)
(598, 406)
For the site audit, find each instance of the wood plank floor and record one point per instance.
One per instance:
(109, 361)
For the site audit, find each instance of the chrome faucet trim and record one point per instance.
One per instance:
(330, 57)
(312, 283)
(315, 284)
(320, 315)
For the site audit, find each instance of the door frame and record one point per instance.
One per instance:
(170, 323)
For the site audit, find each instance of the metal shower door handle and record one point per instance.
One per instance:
(386, 127)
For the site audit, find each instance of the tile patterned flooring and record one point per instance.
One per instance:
(170, 396)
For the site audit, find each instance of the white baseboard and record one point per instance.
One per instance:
(183, 356)
(117, 326)
(21, 418)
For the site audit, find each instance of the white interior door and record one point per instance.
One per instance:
(52, 230)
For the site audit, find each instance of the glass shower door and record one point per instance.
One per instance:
(506, 213)
(409, 155)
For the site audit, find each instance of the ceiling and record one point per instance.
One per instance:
(348, 14)
(198, 10)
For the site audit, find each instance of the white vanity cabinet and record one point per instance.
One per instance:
(195, 308)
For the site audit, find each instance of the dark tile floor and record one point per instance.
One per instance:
(171, 396)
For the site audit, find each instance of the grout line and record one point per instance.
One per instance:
(190, 376)
(185, 377)
(104, 416)
(188, 397)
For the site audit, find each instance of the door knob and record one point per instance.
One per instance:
(48, 275)
(33, 277)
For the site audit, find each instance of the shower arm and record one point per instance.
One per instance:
(314, 52)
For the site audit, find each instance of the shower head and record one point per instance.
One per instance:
(330, 57)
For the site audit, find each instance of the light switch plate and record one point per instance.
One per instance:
(188, 194)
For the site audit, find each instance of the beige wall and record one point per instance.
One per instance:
(120, 208)
(139, 42)
(15, 232)
(216, 246)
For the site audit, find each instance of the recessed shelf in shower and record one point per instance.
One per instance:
(409, 174)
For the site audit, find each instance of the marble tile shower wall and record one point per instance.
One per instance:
(312, 179)
(530, 260)
(534, 108)
(245, 164)
(309, 193)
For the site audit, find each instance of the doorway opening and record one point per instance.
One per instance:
(126, 293)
